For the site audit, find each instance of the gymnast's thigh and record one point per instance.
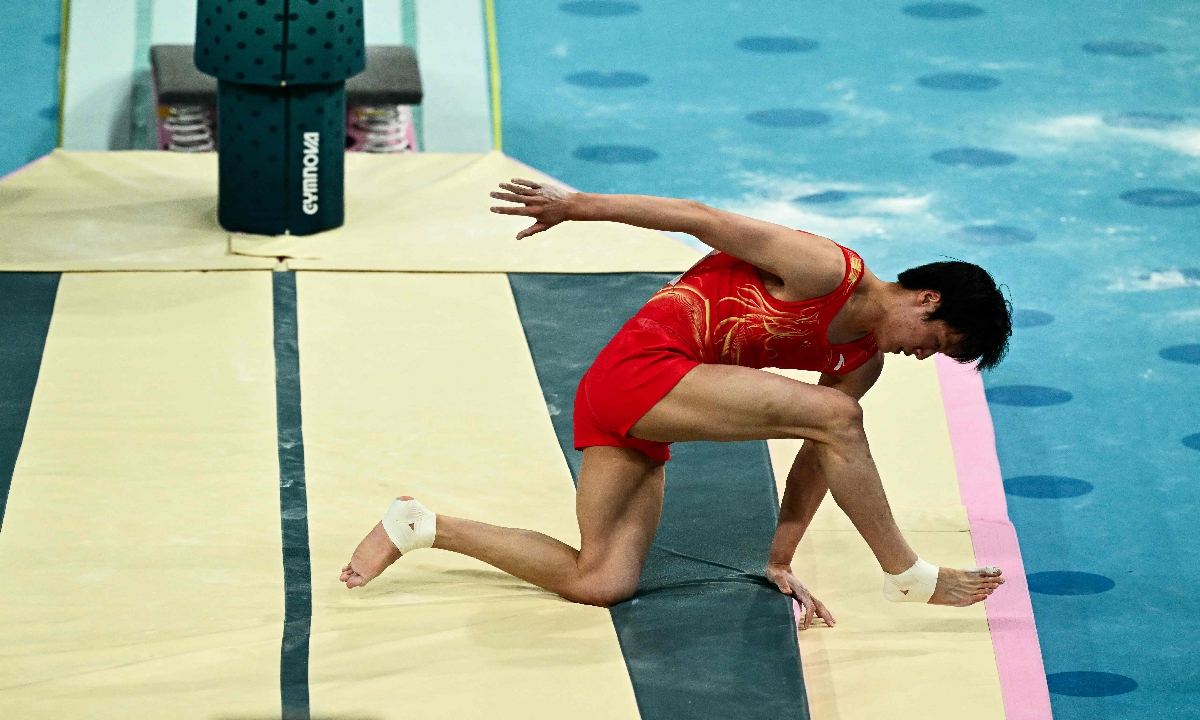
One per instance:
(728, 403)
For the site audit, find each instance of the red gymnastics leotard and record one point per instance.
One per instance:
(718, 312)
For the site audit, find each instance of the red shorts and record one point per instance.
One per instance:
(633, 372)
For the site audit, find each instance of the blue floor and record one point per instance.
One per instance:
(29, 33)
(1057, 144)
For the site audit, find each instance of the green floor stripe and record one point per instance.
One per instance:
(26, 304)
(705, 636)
(293, 505)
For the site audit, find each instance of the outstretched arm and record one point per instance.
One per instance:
(805, 489)
(774, 248)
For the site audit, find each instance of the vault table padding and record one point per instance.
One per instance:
(176, 78)
(390, 78)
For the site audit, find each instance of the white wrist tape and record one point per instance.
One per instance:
(410, 526)
(915, 584)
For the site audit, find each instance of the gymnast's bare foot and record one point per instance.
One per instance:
(372, 556)
(961, 588)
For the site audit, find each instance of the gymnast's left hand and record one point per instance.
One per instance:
(546, 204)
(789, 584)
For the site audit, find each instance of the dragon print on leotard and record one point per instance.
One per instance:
(721, 309)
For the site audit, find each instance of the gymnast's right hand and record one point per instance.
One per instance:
(789, 584)
(546, 204)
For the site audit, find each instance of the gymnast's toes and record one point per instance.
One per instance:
(960, 588)
(372, 556)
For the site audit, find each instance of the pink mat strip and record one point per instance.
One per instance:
(1009, 610)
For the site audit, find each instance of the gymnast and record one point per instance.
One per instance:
(688, 367)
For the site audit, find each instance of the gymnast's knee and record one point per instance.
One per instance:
(838, 420)
(601, 592)
(843, 428)
(844, 423)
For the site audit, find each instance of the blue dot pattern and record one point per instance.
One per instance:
(600, 8)
(615, 154)
(1068, 582)
(1025, 318)
(788, 118)
(958, 81)
(615, 79)
(1090, 684)
(1027, 395)
(1046, 486)
(943, 11)
(1162, 197)
(995, 235)
(973, 157)
(1189, 354)
(1124, 48)
(777, 44)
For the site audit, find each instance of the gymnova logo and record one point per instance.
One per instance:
(311, 158)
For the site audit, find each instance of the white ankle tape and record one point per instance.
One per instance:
(410, 526)
(915, 584)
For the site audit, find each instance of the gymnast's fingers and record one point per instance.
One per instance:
(809, 611)
(509, 197)
(532, 230)
(823, 612)
(527, 183)
(520, 190)
(505, 210)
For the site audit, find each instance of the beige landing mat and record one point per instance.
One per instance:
(81, 211)
(140, 563)
(883, 659)
(441, 223)
(422, 212)
(423, 385)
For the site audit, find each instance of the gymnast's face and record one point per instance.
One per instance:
(910, 332)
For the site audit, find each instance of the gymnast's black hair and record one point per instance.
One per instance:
(971, 304)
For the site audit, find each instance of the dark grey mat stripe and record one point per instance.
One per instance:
(706, 636)
(293, 505)
(26, 305)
